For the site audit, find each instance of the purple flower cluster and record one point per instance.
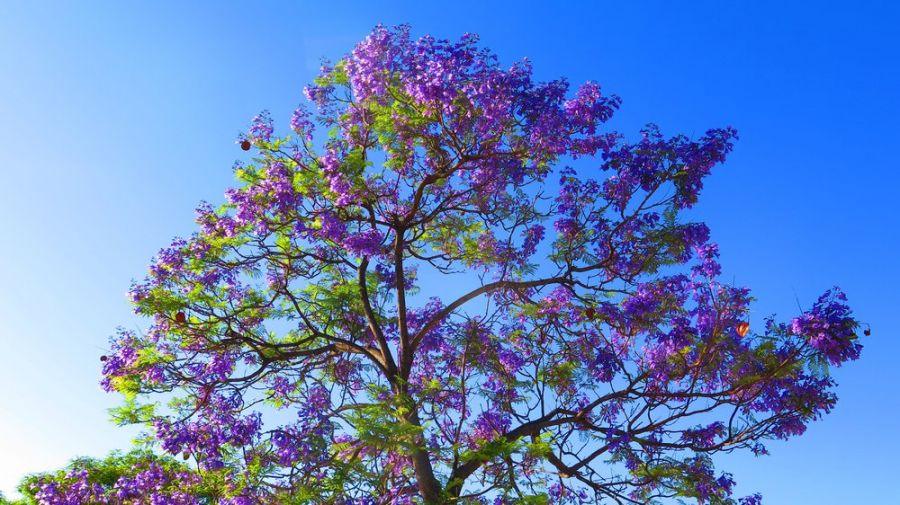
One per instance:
(148, 482)
(337, 181)
(261, 127)
(302, 124)
(654, 161)
(489, 425)
(209, 441)
(830, 328)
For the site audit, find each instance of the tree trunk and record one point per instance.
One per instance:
(428, 484)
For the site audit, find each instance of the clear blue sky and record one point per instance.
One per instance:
(116, 121)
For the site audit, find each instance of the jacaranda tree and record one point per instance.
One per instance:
(425, 305)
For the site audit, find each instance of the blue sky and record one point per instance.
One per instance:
(115, 121)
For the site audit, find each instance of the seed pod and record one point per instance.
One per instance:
(104, 358)
(180, 318)
(245, 145)
(742, 328)
(589, 312)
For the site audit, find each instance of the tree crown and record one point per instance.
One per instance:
(304, 349)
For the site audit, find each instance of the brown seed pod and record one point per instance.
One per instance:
(104, 358)
(180, 318)
(742, 328)
(245, 145)
(589, 312)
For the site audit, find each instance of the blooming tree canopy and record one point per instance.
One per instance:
(423, 304)
(137, 478)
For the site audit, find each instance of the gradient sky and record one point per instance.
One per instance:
(115, 121)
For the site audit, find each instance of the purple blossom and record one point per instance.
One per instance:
(261, 127)
(830, 328)
(301, 123)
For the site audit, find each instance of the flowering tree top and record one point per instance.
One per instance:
(591, 357)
